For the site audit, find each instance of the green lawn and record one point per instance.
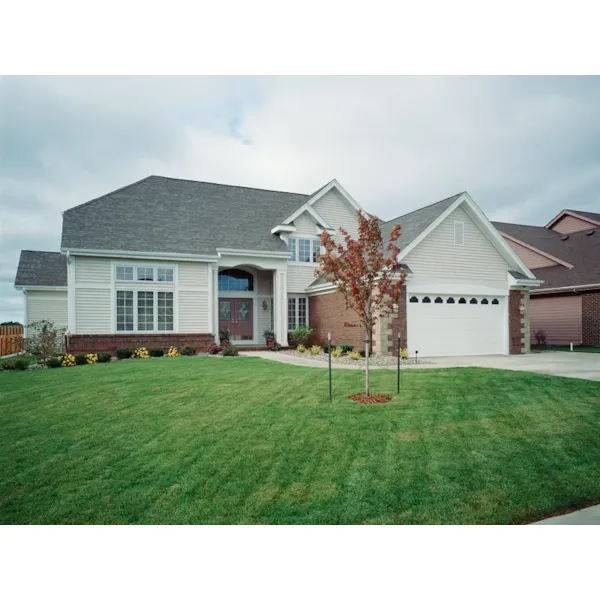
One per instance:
(551, 348)
(244, 440)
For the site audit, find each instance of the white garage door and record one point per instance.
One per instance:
(446, 325)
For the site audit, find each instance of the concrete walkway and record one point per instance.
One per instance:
(566, 364)
(586, 516)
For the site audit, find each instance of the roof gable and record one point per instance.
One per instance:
(570, 221)
(44, 269)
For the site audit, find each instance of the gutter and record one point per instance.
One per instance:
(572, 288)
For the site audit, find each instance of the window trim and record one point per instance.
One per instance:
(135, 281)
(296, 297)
(315, 247)
(136, 329)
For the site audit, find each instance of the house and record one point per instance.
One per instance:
(565, 254)
(172, 262)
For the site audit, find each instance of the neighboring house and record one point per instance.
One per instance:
(172, 262)
(565, 254)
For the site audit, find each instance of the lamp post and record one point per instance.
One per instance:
(398, 374)
(329, 354)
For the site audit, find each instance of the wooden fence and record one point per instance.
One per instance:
(11, 339)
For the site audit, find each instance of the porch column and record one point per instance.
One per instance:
(280, 316)
(214, 300)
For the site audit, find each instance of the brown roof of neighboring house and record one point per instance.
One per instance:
(589, 215)
(581, 249)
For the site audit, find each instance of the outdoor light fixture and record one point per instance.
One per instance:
(264, 305)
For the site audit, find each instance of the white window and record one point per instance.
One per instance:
(459, 233)
(124, 273)
(164, 274)
(165, 311)
(145, 274)
(124, 311)
(297, 311)
(304, 250)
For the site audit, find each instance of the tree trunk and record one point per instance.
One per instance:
(367, 352)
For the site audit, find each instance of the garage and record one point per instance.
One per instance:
(456, 325)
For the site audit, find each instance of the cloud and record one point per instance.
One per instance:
(524, 148)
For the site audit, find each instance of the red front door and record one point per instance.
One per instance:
(236, 314)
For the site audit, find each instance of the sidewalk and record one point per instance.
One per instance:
(586, 516)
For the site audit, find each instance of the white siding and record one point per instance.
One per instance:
(477, 260)
(193, 274)
(93, 310)
(338, 213)
(47, 306)
(305, 226)
(90, 270)
(265, 294)
(193, 311)
(299, 276)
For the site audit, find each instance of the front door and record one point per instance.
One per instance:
(236, 314)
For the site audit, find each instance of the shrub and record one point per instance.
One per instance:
(275, 347)
(68, 360)
(224, 336)
(301, 348)
(156, 352)
(315, 350)
(188, 351)
(54, 362)
(43, 340)
(346, 348)
(540, 337)
(404, 353)
(172, 352)
(16, 364)
(354, 355)
(80, 359)
(123, 353)
(326, 349)
(214, 349)
(91, 358)
(230, 350)
(104, 357)
(337, 352)
(141, 353)
(300, 335)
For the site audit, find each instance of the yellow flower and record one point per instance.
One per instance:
(173, 351)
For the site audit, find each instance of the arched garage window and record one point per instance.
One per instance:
(462, 301)
(426, 300)
(236, 280)
(485, 301)
(413, 299)
(473, 301)
(495, 301)
(438, 300)
(450, 301)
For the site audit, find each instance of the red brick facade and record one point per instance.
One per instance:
(79, 344)
(590, 318)
(516, 323)
(328, 313)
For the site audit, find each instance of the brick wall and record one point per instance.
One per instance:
(328, 312)
(516, 323)
(397, 324)
(590, 318)
(80, 344)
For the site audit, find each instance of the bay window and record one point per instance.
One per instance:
(297, 311)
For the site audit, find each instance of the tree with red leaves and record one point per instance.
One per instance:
(365, 273)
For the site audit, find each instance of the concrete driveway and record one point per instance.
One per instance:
(566, 364)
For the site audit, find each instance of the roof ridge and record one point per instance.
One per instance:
(44, 251)
(243, 187)
(427, 206)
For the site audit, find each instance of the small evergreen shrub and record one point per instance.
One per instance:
(300, 335)
(80, 359)
(156, 352)
(104, 357)
(404, 353)
(354, 355)
(301, 348)
(314, 350)
(188, 351)
(337, 352)
(54, 362)
(230, 350)
(214, 349)
(123, 353)
(346, 348)
(16, 364)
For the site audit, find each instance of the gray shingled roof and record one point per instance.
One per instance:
(414, 223)
(159, 214)
(41, 268)
(580, 249)
(589, 215)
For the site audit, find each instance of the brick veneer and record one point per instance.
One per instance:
(328, 312)
(78, 344)
(397, 324)
(517, 338)
(590, 318)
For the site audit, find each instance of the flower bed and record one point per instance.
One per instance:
(359, 363)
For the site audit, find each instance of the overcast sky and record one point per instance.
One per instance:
(524, 148)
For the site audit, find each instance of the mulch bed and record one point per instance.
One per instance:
(372, 399)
